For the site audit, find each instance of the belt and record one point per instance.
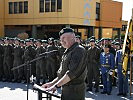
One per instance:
(120, 63)
(105, 65)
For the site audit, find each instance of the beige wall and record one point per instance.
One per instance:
(1, 18)
(34, 17)
(106, 33)
(70, 14)
(111, 14)
(82, 12)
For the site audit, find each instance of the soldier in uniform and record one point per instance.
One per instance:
(8, 60)
(122, 79)
(51, 60)
(18, 53)
(93, 66)
(1, 59)
(39, 63)
(29, 54)
(72, 71)
(107, 61)
(78, 39)
(116, 47)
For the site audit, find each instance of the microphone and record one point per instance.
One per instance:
(50, 52)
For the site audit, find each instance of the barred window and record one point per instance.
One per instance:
(20, 7)
(25, 6)
(15, 7)
(47, 5)
(41, 5)
(97, 11)
(53, 5)
(59, 5)
(10, 7)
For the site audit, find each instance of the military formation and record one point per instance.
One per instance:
(104, 62)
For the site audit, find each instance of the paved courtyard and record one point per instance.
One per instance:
(17, 91)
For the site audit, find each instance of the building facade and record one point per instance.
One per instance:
(45, 18)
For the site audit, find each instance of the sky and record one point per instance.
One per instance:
(127, 9)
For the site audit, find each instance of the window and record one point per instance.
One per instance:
(15, 7)
(124, 27)
(10, 8)
(97, 11)
(47, 5)
(53, 5)
(41, 5)
(59, 5)
(25, 6)
(20, 7)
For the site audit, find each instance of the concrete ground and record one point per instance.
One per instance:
(17, 91)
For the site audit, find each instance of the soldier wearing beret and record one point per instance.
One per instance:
(72, 72)
(8, 60)
(93, 65)
(18, 53)
(29, 54)
(39, 63)
(1, 59)
(51, 66)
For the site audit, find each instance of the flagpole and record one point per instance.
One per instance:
(130, 75)
(131, 58)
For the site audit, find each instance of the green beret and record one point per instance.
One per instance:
(77, 36)
(66, 30)
(22, 41)
(39, 40)
(27, 40)
(92, 40)
(117, 43)
(6, 38)
(107, 46)
(51, 39)
(44, 41)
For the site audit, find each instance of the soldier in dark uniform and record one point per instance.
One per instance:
(93, 65)
(29, 54)
(39, 63)
(72, 71)
(51, 60)
(22, 45)
(78, 39)
(8, 60)
(18, 53)
(1, 59)
(44, 61)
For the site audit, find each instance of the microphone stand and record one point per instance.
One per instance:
(28, 65)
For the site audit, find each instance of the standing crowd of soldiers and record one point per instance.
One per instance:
(103, 57)
(15, 52)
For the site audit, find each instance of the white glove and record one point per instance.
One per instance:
(116, 70)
